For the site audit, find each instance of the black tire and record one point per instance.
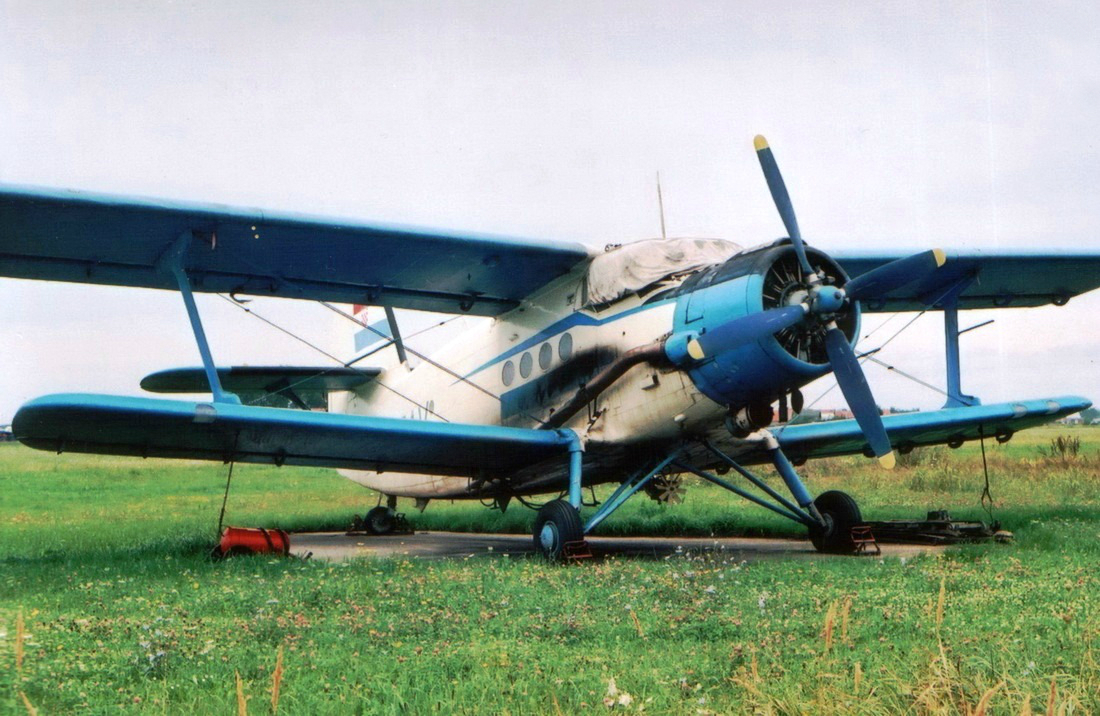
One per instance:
(380, 521)
(841, 514)
(557, 523)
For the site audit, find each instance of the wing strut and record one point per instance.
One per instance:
(949, 301)
(955, 397)
(391, 319)
(171, 262)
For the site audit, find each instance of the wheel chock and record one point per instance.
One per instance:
(575, 551)
(864, 540)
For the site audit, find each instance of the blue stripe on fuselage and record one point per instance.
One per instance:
(571, 321)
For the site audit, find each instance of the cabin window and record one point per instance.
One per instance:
(508, 374)
(526, 363)
(565, 347)
(546, 354)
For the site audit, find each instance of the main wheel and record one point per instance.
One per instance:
(557, 523)
(841, 514)
(380, 521)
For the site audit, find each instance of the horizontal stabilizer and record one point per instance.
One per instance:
(151, 427)
(936, 427)
(261, 379)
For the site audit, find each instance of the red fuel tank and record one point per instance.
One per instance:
(253, 540)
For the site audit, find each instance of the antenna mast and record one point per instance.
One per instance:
(661, 206)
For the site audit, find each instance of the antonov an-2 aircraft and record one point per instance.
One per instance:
(634, 365)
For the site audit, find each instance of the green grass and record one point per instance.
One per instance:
(105, 560)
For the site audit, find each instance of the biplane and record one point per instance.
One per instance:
(634, 365)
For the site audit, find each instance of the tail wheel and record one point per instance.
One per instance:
(380, 521)
(557, 524)
(668, 489)
(841, 514)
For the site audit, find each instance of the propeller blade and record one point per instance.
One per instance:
(895, 274)
(858, 394)
(781, 198)
(747, 329)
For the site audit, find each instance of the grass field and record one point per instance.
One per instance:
(108, 603)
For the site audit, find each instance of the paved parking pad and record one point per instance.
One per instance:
(337, 546)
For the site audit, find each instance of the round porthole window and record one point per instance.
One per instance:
(525, 365)
(565, 347)
(546, 354)
(508, 373)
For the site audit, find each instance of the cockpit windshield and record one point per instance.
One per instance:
(633, 267)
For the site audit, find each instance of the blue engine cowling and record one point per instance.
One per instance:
(758, 372)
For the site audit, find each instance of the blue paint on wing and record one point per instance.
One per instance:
(116, 425)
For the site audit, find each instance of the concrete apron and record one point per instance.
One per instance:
(337, 546)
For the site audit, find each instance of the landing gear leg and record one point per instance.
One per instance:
(830, 518)
(558, 522)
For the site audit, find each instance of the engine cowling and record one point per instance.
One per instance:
(751, 282)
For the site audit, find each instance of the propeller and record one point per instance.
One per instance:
(820, 302)
(827, 300)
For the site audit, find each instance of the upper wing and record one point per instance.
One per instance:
(908, 430)
(86, 238)
(150, 427)
(990, 279)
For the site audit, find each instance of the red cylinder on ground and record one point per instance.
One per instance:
(254, 540)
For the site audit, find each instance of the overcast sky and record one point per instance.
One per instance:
(961, 125)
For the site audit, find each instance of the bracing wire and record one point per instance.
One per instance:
(419, 355)
(325, 353)
(903, 374)
(426, 359)
(869, 356)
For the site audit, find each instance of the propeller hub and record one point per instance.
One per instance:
(822, 292)
(827, 299)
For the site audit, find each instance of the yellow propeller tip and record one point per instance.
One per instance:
(888, 460)
(695, 350)
(759, 142)
(941, 257)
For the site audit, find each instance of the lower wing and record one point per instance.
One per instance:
(937, 427)
(147, 427)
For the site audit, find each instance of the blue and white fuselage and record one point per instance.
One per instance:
(519, 369)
